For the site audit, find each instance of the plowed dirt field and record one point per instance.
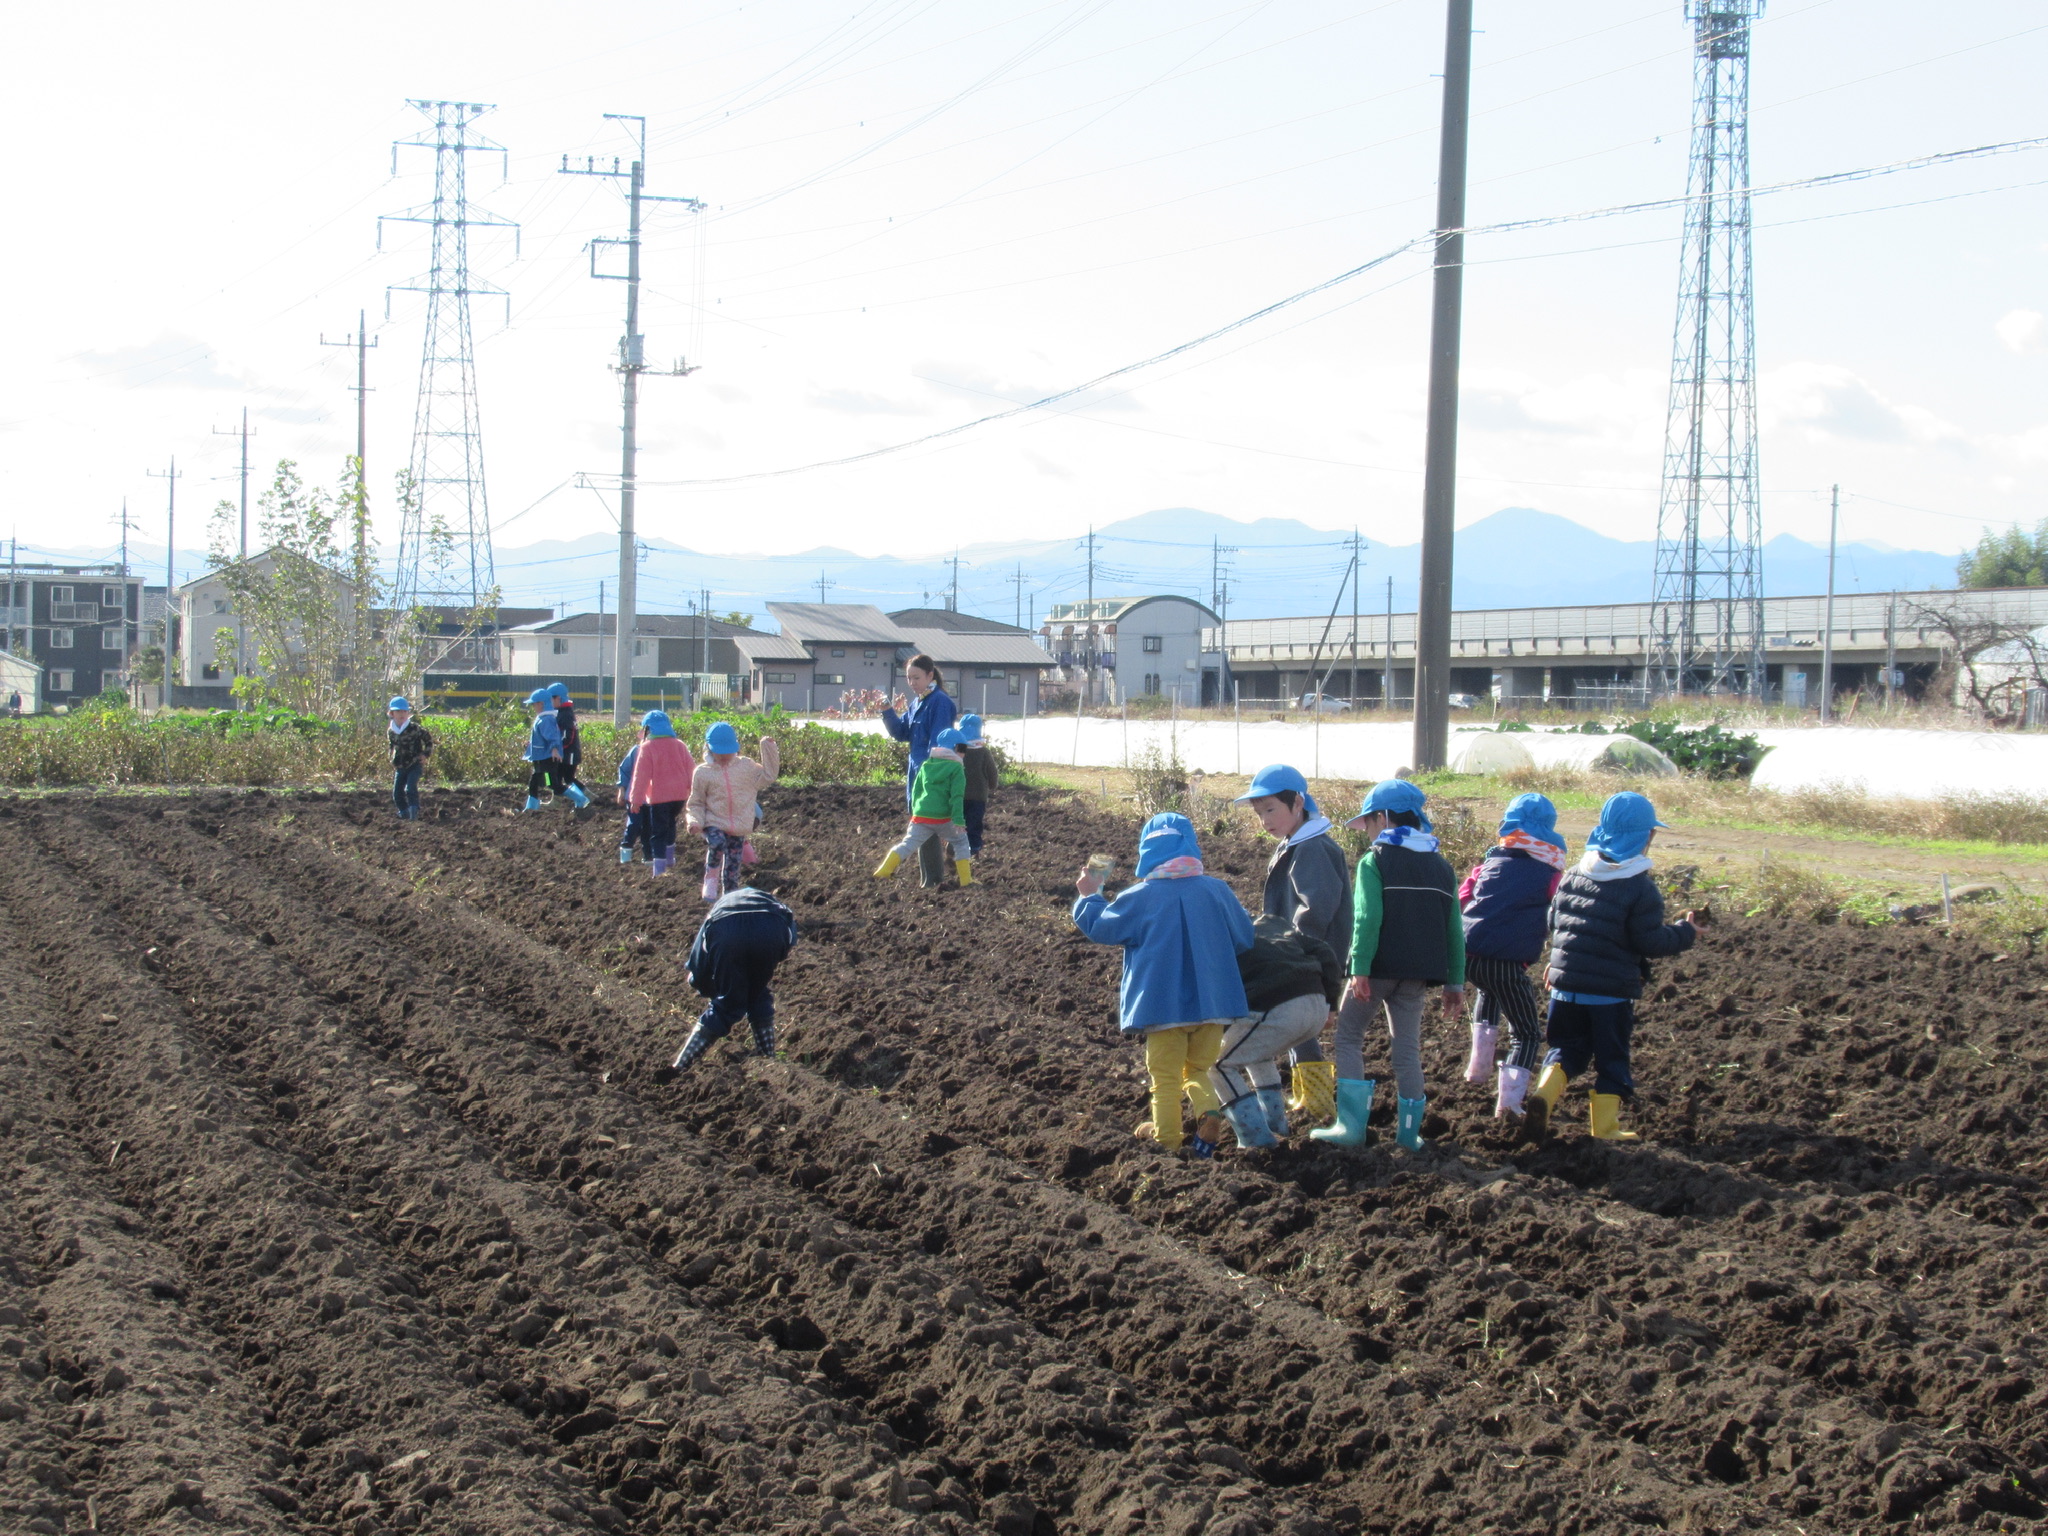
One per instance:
(346, 1191)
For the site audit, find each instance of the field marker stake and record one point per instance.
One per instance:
(1948, 908)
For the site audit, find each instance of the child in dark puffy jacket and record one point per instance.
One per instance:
(980, 764)
(1506, 902)
(743, 938)
(1606, 926)
(572, 739)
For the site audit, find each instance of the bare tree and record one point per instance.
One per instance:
(1991, 661)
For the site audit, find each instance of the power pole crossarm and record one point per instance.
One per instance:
(631, 365)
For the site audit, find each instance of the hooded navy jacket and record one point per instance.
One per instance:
(1606, 925)
(745, 935)
(1508, 909)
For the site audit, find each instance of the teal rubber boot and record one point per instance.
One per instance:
(1408, 1128)
(1247, 1119)
(576, 796)
(1274, 1102)
(1354, 1108)
(533, 802)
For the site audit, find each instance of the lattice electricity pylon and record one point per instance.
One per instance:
(444, 544)
(1708, 617)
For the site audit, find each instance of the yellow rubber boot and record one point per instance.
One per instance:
(1605, 1115)
(1541, 1101)
(1315, 1091)
(962, 868)
(891, 862)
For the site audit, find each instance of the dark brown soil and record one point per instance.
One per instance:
(347, 1193)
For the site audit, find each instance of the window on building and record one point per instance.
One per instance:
(1154, 644)
(558, 647)
(110, 597)
(771, 678)
(868, 655)
(1016, 682)
(1152, 682)
(62, 639)
(211, 671)
(838, 650)
(113, 640)
(639, 647)
(220, 605)
(60, 682)
(829, 679)
(60, 594)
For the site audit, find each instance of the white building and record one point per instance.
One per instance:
(211, 631)
(1134, 647)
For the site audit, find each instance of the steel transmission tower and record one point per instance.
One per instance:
(1708, 617)
(444, 543)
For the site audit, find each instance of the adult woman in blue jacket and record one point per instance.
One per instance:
(1506, 902)
(1181, 931)
(931, 711)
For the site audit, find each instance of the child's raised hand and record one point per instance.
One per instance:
(1088, 883)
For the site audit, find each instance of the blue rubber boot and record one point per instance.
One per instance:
(1408, 1127)
(533, 802)
(576, 796)
(1354, 1108)
(625, 855)
(1247, 1119)
(1274, 1102)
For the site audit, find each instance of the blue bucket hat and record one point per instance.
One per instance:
(656, 723)
(1169, 835)
(559, 692)
(398, 704)
(1391, 796)
(951, 739)
(1626, 822)
(969, 727)
(721, 738)
(1275, 777)
(1533, 815)
(540, 696)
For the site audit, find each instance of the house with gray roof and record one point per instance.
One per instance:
(991, 668)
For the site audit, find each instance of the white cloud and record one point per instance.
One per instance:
(171, 360)
(1828, 400)
(2023, 331)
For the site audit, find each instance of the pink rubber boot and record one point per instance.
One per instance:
(1514, 1088)
(1484, 1038)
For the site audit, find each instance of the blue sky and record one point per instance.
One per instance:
(921, 209)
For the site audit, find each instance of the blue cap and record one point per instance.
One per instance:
(1276, 777)
(950, 738)
(540, 696)
(721, 738)
(1391, 796)
(559, 692)
(398, 704)
(1533, 815)
(1626, 822)
(1169, 835)
(656, 723)
(969, 727)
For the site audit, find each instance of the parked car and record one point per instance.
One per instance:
(1464, 701)
(1308, 701)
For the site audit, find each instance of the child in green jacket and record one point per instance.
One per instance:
(938, 803)
(1407, 935)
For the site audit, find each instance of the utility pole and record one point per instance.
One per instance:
(1088, 624)
(170, 478)
(600, 650)
(1017, 593)
(1387, 683)
(1827, 639)
(243, 433)
(823, 582)
(360, 574)
(953, 592)
(632, 364)
(1440, 465)
(1357, 564)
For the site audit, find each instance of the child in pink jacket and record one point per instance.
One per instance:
(724, 803)
(663, 772)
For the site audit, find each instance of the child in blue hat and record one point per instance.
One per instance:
(543, 747)
(572, 739)
(663, 773)
(1181, 931)
(725, 803)
(1308, 887)
(743, 938)
(1406, 937)
(1506, 900)
(1606, 926)
(980, 764)
(411, 745)
(938, 807)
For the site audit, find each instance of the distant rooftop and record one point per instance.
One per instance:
(836, 623)
(953, 622)
(686, 626)
(1106, 609)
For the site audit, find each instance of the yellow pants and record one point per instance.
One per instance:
(1179, 1060)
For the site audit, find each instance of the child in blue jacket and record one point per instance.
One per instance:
(544, 753)
(1606, 926)
(631, 835)
(1506, 902)
(743, 938)
(1181, 932)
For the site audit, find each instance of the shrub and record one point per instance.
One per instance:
(1707, 749)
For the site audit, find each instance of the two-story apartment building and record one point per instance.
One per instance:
(79, 624)
(1125, 647)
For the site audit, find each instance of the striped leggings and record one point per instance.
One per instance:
(1503, 988)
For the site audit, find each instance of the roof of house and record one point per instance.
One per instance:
(757, 647)
(1015, 649)
(681, 626)
(505, 618)
(840, 623)
(261, 557)
(952, 622)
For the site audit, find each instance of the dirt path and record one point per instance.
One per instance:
(350, 1195)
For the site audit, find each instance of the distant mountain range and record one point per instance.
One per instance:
(1275, 567)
